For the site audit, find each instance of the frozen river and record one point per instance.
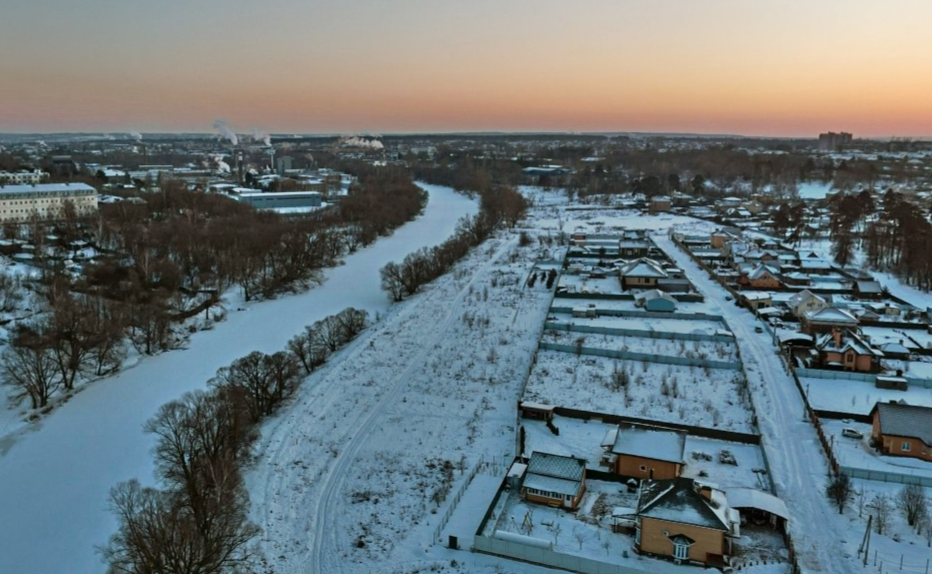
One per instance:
(55, 478)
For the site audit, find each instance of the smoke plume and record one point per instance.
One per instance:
(136, 136)
(225, 132)
(356, 141)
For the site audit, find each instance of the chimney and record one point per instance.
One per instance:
(704, 491)
(836, 335)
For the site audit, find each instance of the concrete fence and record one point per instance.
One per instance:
(549, 558)
(445, 518)
(646, 357)
(617, 331)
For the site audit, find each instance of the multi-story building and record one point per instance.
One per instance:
(22, 177)
(832, 141)
(46, 201)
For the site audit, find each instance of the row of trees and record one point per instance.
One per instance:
(196, 521)
(499, 205)
(910, 500)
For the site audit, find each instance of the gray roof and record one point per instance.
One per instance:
(869, 286)
(831, 315)
(47, 188)
(648, 442)
(676, 500)
(557, 466)
(906, 420)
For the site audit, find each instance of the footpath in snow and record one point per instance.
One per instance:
(55, 476)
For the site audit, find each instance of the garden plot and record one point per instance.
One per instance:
(657, 325)
(857, 397)
(629, 305)
(711, 398)
(582, 438)
(704, 350)
(588, 532)
(578, 284)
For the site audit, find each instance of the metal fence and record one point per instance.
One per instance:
(863, 377)
(883, 476)
(617, 331)
(644, 314)
(549, 558)
(646, 357)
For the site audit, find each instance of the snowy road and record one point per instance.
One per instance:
(798, 464)
(55, 477)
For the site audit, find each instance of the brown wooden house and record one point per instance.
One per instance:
(554, 480)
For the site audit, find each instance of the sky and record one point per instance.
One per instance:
(749, 67)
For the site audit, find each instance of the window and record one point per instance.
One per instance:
(680, 551)
(905, 446)
(643, 468)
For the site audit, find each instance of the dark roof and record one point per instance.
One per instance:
(905, 420)
(676, 500)
(868, 286)
(557, 466)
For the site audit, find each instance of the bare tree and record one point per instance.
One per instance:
(306, 347)
(30, 372)
(839, 491)
(882, 508)
(912, 501)
(391, 275)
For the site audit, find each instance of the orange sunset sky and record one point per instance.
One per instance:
(788, 68)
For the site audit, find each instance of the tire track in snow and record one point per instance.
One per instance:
(329, 497)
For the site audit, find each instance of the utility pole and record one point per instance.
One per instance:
(866, 542)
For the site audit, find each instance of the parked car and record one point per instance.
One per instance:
(851, 433)
(758, 329)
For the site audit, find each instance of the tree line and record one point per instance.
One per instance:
(499, 205)
(196, 520)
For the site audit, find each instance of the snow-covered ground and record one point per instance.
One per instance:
(661, 325)
(711, 398)
(857, 452)
(356, 474)
(55, 475)
(857, 397)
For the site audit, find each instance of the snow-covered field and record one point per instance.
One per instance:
(357, 472)
(55, 475)
(711, 398)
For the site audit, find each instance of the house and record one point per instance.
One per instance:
(895, 350)
(660, 203)
(902, 430)
(761, 277)
(641, 273)
(685, 520)
(554, 480)
(804, 302)
(826, 319)
(655, 300)
(644, 452)
(797, 279)
(719, 238)
(846, 350)
(755, 300)
(868, 289)
(633, 248)
(536, 411)
(885, 309)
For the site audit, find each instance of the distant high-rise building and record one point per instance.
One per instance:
(283, 164)
(832, 141)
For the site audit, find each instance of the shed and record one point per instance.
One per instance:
(758, 506)
(656, 301)
(537, 411)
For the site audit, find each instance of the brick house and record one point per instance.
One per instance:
(846, 350)
(685, 520)
(644, 452)
(902, 430)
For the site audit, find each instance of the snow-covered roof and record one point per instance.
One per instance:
(831, 315)
(551, 484)
(48, 188)
(642, 267)
(758, 499)
(848, 342)
(802, 297)
(905, 420)
(869, 287)
(537, 406)
(650, 442)
(653, 294)
(677, 500)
